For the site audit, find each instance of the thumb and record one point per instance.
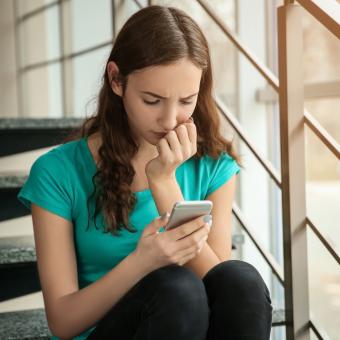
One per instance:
(157, 223)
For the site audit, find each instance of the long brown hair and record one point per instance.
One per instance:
(155, 35)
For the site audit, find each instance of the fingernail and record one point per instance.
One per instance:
(207, 218)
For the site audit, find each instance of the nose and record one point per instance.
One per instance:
(168, 119)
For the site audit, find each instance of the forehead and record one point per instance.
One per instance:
(178, 77)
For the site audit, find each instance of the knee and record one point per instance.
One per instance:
(236, 279)
(179, 285)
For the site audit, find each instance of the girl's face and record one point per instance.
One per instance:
(159, 98)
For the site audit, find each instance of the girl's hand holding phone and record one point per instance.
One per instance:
(175, 148)
(175, 246)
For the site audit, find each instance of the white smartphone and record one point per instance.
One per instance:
(185, 211)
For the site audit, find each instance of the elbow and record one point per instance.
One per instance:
(59, 321)
(59, 328)
(56, 330)
(60, 332)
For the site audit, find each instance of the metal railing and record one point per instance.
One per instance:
(296, 323)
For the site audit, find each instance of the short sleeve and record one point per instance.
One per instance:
(220, 171)
(47, 186)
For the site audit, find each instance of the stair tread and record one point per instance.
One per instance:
(32, 324)
(26, 324)
(12, 179)
(39, 123)
(278, 316)
(18, 249)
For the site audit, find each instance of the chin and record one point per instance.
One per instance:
(153, 141)
(149, 139)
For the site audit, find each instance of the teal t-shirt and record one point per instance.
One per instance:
(60, 181)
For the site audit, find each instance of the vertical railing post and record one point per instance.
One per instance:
(114, 20)
(291, 99)
(66, 41)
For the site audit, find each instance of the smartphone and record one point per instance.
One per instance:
(185, 211)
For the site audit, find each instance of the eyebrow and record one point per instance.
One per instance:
(160, 97)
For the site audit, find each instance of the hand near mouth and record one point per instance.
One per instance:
(174, 148)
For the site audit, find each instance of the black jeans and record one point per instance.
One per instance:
(172, 303)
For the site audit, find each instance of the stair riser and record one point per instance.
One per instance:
(11, 207)
(18, 279)
(20, 140)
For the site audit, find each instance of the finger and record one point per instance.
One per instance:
(192, 134)
(174, 144)
(186, 259)
(164, 150)
(156, 224)
(196, 248)
(185, 229)
(183, 137)
(184, 255)
(190, 253)
(191, 240)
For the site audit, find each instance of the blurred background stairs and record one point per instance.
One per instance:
(20, 290)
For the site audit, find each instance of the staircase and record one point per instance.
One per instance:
(18, 267)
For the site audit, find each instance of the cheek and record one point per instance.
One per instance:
(140, 116)
(133, 110)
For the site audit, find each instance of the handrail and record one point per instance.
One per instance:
(138, 4)
(273, 80)
(323, 135)
(317, 329)
(324, 240)
(327, 12)
(268, 257)
(264, 70)
(273, 173)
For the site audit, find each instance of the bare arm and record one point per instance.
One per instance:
(71, 311)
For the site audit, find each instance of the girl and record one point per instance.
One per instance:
(107, 268)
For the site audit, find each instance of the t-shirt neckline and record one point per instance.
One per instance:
(139, 194)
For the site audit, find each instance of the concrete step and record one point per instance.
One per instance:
(32, 324)
(17, 250)
(10, 184)
(26, 134)
(24, 325)
(18, 267)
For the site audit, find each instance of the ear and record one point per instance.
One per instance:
(113, 71)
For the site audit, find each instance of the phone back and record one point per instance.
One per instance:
(185, 211)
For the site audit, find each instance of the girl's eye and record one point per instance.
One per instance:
(157, 101)
(150, 103)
